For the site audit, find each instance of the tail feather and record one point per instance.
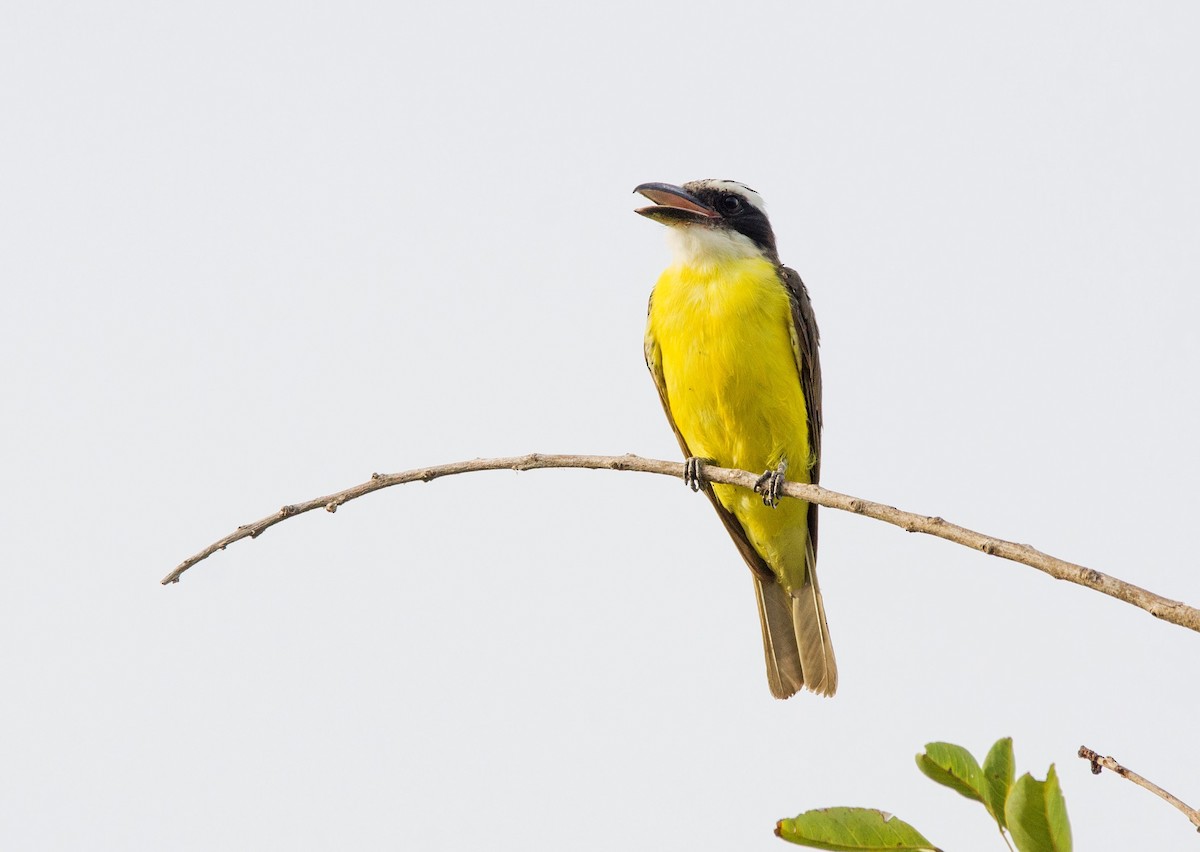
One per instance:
(784, 673)
(795, 636)
(812, 634)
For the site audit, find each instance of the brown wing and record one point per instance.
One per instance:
(756, 563)
(805, 342)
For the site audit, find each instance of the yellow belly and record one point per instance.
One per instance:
(724, 335)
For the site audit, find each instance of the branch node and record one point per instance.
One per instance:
(989, 547)
(375, 477)
(331, 507)
(287, 511)
(528, 461)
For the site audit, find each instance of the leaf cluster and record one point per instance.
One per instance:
(1033, 813)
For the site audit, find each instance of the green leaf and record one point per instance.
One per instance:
(999, 769)
(852, 830)
(954, 767)
(1037, 815)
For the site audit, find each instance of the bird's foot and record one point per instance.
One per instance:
(770, 484)
(691, 471)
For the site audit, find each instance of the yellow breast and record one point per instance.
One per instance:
(724, 336)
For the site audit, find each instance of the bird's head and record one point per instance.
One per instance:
(711, 220)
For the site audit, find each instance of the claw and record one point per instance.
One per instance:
(770, 484)
(691, 472)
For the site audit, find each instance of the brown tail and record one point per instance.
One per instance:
(795, 636)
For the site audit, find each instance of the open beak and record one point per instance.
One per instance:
(673, 205)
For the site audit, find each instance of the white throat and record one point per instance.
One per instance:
(698, 245)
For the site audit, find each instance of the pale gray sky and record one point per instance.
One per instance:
(252, 252)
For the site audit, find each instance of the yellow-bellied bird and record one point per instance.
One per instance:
(732, 344)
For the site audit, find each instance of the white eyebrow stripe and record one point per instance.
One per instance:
(752, 198)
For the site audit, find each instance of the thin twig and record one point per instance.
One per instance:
(1111, 764)
(1158, 606)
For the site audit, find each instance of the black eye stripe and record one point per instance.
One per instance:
(744, 217)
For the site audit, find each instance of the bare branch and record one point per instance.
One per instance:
(1111, 764)
(1158, 606)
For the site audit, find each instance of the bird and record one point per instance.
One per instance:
(731, 342)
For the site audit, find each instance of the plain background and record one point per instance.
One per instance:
(252, 252)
